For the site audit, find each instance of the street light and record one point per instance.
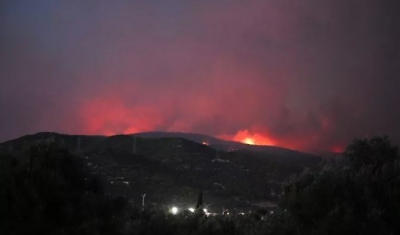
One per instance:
(174, 210)
(143, 196)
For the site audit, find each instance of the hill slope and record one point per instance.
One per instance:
(171, 168)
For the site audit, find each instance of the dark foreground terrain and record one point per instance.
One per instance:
(60, 184)
(171, 170)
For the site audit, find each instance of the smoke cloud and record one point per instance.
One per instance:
(307, 75)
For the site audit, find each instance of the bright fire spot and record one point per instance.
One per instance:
(205, 143)
(249, 141)
(246, 137)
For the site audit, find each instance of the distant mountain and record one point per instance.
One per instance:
(281, 154)
(171, 168)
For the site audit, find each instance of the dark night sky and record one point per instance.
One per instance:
(300, 74)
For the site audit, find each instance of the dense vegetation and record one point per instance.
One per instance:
(48, 190)
(358, 195)
(172, 170)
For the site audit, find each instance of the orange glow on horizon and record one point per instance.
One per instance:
(244, 136)
(110, 115)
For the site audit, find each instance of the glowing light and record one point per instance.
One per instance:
(174, 210)
(246, 137)
(205, 143)
(191, 209)
(249, 141)
(205, 210)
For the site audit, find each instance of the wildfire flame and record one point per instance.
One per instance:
(246, 137)
(249, 141)
(109, 116)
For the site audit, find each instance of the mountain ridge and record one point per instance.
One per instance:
(173, 169)
(214, 141)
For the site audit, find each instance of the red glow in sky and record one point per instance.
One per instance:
(337, 149)
(279, 73)
(111, 113)
(111, 117)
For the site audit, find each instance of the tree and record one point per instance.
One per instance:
(199, 203)
(46, 191)
(358, 194)
(374, 152)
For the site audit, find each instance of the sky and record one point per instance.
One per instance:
(301, 74)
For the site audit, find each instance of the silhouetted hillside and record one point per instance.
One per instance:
(171, 168)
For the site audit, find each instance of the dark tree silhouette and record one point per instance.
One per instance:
(199, 204)
(47, 190)
(357, 195)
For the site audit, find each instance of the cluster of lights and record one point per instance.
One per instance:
(175, 210)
